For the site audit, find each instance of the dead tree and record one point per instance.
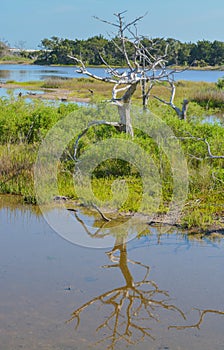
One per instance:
(182, 113)
(144, 68)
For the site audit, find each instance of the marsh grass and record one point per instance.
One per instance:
(16, 175)
(204, 94)
(23, 126)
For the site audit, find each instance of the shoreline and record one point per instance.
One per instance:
(205, 68)
(48, 94)
(213, 230)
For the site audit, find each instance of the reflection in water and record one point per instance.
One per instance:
(133, 307)
(202, 314)
(144, 293)
(4, 74)
(14, 204)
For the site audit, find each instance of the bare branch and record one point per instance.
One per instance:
(100, 212)
(111, 70)
(134, 21)
(83, 70)
(210, 155)
(107, 22)
(121, 30)
(181, 113)
(100, 122)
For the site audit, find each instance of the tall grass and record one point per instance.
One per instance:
(209, 98)
(23, 127)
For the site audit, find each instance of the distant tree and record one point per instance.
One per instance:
(201, 53)
(4, 48)
(55, 51)
(184, 53)
(217, 53)
(173, 51)
(20, 45)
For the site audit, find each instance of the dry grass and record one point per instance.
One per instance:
(98, 90)
(209, 98)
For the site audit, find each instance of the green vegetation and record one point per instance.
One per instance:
(23, 127)
(220, 83)
(203, 53)
(12, 59)
(204, 94)
(22, 56)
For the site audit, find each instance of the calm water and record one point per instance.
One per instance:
(35, 72)
(144, 295)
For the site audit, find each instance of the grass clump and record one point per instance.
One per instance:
(209, 98)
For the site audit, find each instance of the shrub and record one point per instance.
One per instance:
(220, 83)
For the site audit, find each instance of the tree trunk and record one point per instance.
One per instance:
(124, 108)
(125, 118)
(184, 109)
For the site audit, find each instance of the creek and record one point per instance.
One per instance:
(163, 290)
(22, 73)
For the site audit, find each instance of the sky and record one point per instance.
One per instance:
(27, 22)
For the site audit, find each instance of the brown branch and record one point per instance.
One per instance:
(201, 318)
(100, 212)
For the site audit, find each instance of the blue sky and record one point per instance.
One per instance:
(33, 20)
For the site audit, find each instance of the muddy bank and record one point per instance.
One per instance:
(47, 94)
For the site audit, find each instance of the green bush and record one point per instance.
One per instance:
(220, 83)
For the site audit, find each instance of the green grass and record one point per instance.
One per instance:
(15, 60)
(24, 126)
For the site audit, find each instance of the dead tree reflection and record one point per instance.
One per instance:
(135, 305)
(198, 324)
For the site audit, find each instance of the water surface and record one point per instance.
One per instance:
(15, 72)
(160, 291)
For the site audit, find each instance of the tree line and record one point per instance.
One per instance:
(203, 53)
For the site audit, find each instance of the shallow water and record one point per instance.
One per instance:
(7, 94)
(133, 297)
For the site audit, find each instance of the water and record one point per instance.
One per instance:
(214, 119)
(12, 92)
(6, 93)
(22, 73)
(11, 72)
(150, 286)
